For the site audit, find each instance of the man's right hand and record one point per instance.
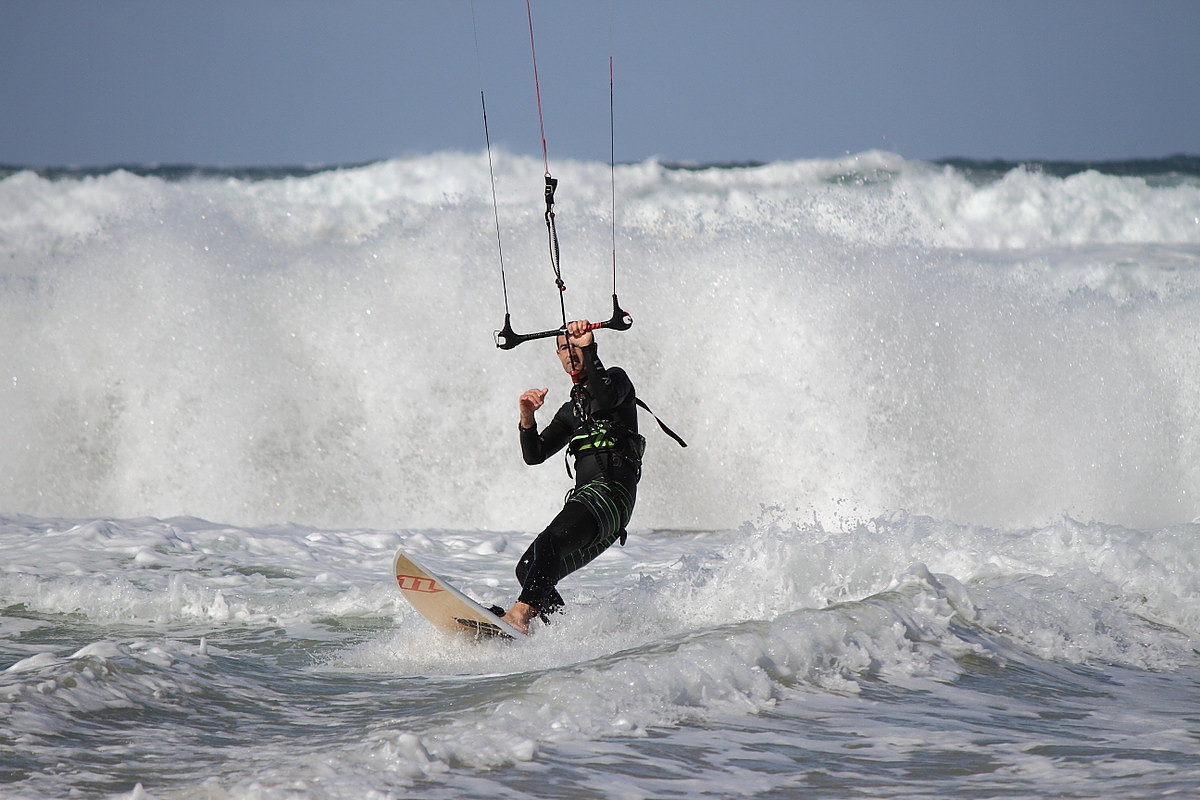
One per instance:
(529, 403)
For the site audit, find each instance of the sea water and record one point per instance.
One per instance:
(935, 534)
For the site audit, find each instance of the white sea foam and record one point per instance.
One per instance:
(857, 335)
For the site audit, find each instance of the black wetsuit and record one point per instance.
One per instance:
(599, 427)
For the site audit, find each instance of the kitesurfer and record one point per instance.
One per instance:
(598, 426)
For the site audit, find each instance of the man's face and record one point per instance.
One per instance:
(569, 355)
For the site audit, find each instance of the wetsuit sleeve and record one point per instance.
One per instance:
(537, 447)
(609, 388)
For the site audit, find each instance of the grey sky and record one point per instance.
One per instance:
(268, 82)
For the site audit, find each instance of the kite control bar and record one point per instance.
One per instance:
(507, 338)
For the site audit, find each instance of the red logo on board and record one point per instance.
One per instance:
(418, 583)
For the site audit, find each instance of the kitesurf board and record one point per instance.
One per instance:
(445, 606)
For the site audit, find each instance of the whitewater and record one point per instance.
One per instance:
(935, 533)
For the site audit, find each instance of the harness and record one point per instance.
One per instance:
(606, 439)
(607, 436)
(613, 445)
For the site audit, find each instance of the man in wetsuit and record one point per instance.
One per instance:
(598, 426)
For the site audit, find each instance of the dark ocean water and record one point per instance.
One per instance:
(1180, 165)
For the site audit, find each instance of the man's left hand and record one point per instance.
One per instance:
(580, 333)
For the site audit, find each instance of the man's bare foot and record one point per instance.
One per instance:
(519, 616)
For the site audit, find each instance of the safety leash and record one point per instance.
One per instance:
(678, 439)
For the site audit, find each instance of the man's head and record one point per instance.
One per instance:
(570, 356)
